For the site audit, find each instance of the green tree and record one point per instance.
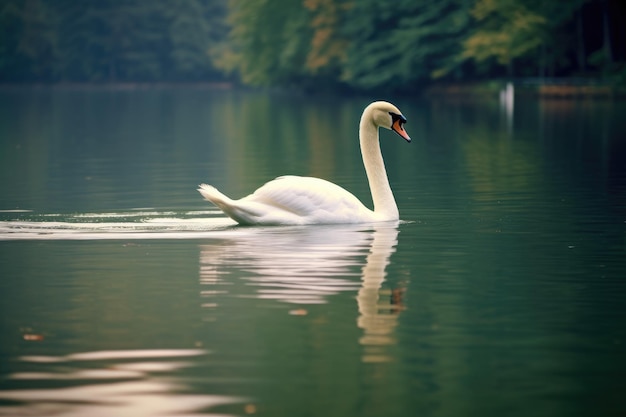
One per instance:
(195, 29)
(562, 39)
(505, 30)
(28, 40)
(110, 40)
(268, 43)
(328, 50)
(404, 43)
(366, 44)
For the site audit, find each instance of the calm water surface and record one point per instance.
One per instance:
(500, 293)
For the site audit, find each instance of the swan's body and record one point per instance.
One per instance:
(292, 200)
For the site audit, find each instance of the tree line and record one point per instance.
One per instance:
(109, 40)
(311, 44)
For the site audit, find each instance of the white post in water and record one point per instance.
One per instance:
(506, 102)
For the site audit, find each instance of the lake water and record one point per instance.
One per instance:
(122, 293)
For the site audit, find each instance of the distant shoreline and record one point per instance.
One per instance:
(121, 86)
(555, 88)
(552, 88)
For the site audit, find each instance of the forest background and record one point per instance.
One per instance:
(334, 45)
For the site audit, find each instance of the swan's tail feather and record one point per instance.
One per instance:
(212, 194)
(227, 205)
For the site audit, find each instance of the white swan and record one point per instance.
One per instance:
(292, 200)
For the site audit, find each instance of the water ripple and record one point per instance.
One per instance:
(132, 224)
(111, 383)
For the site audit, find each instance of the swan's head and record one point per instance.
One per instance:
(386, 115)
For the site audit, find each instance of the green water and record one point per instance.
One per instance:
(122, 293)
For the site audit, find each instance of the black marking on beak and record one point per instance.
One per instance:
(395, 117)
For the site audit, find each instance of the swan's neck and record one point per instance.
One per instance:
(384, 203)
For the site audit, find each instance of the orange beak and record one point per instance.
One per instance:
(399, 129)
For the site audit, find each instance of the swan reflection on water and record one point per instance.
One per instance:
(307, 265)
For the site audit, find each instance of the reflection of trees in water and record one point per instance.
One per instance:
(306, 265)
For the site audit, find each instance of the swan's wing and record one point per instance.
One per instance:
(301, 200)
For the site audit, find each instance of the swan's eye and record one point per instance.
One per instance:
(397, 117)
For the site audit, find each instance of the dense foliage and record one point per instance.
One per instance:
(365, 44)
(109, 40)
